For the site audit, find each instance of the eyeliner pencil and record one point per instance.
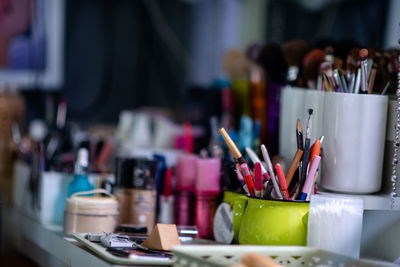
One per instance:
(299, 134)
(306, 150)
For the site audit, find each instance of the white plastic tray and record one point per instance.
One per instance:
(101, 251)
(205, 256)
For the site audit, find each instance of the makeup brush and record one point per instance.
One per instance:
(337, 79)
(236, 64)
(232, 147)
(371, 80)
(311, 63)
(306, 149)
(271, 59)
(329, 57)
(294, 52)
(326, 69)
(363, 54)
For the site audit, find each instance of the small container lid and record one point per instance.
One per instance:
(92, 204)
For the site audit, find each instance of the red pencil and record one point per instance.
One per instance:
(258, 179)
(282, 181)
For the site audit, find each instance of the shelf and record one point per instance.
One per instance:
(371, 201)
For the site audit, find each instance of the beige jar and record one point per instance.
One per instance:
(95, 214)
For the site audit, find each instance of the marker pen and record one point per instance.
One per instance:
(258, 185)
(310, 178)
(254, 158)
(247, 178)
(282, 181)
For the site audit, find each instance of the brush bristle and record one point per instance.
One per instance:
(294, 52)
(326, 66)
(311, 63)
(363, 54)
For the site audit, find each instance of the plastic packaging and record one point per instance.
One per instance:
(335, 224)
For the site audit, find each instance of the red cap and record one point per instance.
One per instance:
(281, 177)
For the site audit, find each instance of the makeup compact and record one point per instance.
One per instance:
(91, 212)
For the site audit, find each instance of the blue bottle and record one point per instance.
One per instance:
(80, 181)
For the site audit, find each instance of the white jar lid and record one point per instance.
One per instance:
(92, 204)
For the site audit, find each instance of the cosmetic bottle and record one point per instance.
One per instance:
(143, 193)
(167, 200)
(80, 182)
(207, 189)
(185, 176)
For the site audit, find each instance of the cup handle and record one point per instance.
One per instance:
(238, 207)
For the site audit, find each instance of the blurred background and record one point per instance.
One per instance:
(111, 56)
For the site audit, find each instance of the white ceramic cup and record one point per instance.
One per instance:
(295, 103)
(354, 127)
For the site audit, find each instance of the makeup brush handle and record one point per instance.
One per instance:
(305, 163)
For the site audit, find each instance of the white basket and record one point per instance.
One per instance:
(205, 256)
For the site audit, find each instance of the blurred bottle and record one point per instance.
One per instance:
(185, 177)
(207, 189)
(167, 200)
(80, 181)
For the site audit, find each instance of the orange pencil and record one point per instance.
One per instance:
(293, 166)
(315, 150)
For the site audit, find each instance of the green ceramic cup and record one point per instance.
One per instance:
(238, 203)
(270, 222)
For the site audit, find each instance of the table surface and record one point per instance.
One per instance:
(45, 246)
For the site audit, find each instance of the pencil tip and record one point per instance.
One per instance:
(299, 126)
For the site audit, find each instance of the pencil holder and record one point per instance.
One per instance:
(272, 222)
(354, 127)
(294, 104)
